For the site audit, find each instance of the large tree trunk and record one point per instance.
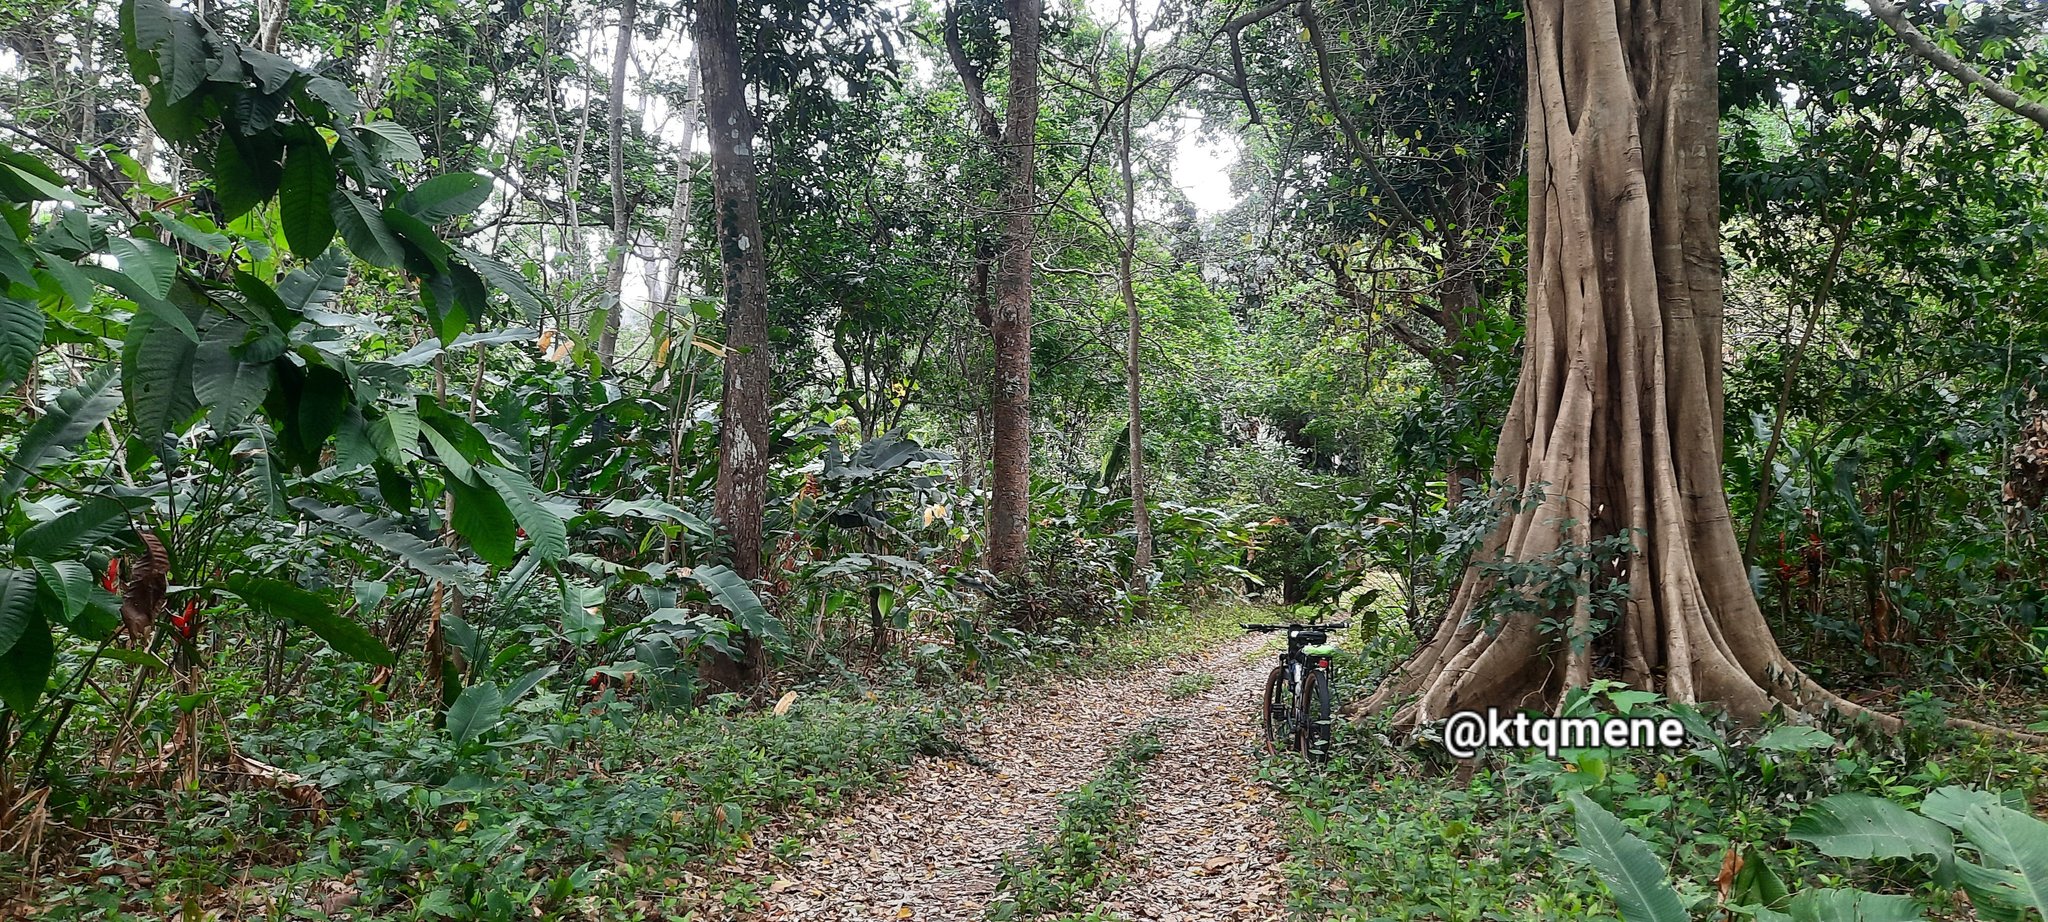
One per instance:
(1616, 420)
(1010, 484)
(742, 488)
(622, 212)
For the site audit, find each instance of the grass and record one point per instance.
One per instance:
(1062, 875)
(1189, 684)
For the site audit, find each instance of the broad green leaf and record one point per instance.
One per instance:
(433, 560)
(526, 683)
(362, 226)
(228, 388)
(1790, 738)
(391, 141)
(304, 196)
(582, 621)
(478, 709)
(21, 338)
(1949, 805)
(272, 71)
(245, 171)
(546, 530)
(448, 195)
(77, 288)
(157, 367)
(505, 279)
(482, 516)
(25, 666)
(280, 599)
(151, 264)
(70, 535)
(69, 582)
(1631, 871)
(2006, 838)
(207, 241)
(17, 606)
(730, 592)
(312, 286)
(1861, 826)
(77, 412)
(1833, 905)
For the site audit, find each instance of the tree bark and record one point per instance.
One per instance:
(622, 215)
(1615, 427)
(742, 488)
(1010, 481)
(1141, 517)
(679, 209)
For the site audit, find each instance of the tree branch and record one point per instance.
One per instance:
(1895, 16)
(970, 76)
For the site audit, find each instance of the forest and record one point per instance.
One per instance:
(1000, 460)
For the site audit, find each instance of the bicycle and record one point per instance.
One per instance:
(1296, 713)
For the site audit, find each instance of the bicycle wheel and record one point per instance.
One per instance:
(1276, 716)
(1315, 719)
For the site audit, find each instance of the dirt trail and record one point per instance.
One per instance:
(1206, 848)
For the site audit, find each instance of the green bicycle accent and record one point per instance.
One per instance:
(1295, 709)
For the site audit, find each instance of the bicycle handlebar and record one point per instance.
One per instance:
(1289, 627)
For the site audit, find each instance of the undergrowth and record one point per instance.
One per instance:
(1062, 875)
(1393, 831)
(577, 803)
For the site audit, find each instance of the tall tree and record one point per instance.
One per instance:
(742, 488)
(622, 213)
(1010, 481)
(1615, 428)
(1009, 310)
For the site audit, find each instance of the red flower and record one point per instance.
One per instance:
(187, 621)
(113, 574)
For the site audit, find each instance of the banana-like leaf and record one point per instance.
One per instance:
(92, 521)
(431, 559)
(732, 593)
(546, 530)
(75, 414)
(2016, 842)
(21, 337)
(1631, 871)
(1843, 905)
(280, 599)
(1861, 826)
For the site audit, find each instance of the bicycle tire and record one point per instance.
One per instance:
(1273, 715)
(1316, 725)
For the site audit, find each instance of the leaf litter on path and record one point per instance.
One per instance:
(1205, 850)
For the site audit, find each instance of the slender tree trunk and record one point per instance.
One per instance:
(622, 210)
(1141, 517)
(1616, 419)
(679, 208)
(1010, 483)
(742, 488)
